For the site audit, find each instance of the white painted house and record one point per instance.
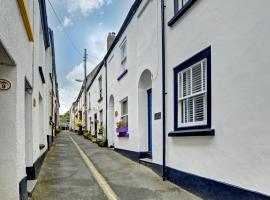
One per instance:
(186, 86)
(29, 107)
(133, 68)
(96, 101)
(217, 75)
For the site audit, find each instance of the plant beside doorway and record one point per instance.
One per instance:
(86, 134)
(79, 125)
(101, 130)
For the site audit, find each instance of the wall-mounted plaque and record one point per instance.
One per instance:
(34, 102)
(157, 115)
(4, 84)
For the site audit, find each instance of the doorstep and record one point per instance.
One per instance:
(146, 161)
(31, 186)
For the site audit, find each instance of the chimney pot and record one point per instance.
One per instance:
(110, 39)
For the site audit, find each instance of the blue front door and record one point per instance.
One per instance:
(149, 100)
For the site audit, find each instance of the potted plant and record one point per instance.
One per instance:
(86, 134)
(101, 130)
(79, 125)
(122, 129)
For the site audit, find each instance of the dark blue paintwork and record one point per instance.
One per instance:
(149, 102)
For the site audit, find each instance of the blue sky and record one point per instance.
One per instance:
(88, 23)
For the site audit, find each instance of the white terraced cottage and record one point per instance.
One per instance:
(184, 87)
(28, 94)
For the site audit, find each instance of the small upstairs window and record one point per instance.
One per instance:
(101, 117)
(179, 4)
(89, 101)
(123, 49)
(124, 112)
(100, 87)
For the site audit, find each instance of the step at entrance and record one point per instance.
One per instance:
(146, 161)
(31, 186)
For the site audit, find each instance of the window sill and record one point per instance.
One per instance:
(122, 75)
(181, 12)
(195, 132)
(123, 60)
(100, 99)
(123, 135)
(41, 146)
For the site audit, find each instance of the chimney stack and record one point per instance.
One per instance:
(110, 39)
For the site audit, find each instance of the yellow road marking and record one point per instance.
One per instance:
(99, 178)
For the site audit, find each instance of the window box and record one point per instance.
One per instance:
(122, 132)
(179, 12)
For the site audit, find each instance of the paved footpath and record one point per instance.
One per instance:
(64, 175)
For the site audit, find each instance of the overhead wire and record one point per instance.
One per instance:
(60, 20)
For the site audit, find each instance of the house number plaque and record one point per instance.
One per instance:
(157, 116)
(4, 84)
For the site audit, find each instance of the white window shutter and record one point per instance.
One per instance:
(180, 90)
(204, 63)
(193, 94)
(197, 78)
(186, 83)
(199, 105)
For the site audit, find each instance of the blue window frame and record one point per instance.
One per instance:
(192, 92)
(180, 8)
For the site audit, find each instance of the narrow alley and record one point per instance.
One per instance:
(65, 176)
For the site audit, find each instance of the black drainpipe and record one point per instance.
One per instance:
(106, 132)
(163, 91)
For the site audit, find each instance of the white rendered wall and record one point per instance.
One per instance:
(12, 101)
(39, 134)
(12, 116)
(239, 37)
(96, 106)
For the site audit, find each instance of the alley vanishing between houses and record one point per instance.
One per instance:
(64, 175)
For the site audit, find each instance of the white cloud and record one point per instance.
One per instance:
(66, 96)
(70, 90)
(78, 72)
(85, 6)
(67, 22)
(96, 44)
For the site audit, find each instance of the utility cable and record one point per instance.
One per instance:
(60, 20)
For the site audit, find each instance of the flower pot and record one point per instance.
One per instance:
(122, 130)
